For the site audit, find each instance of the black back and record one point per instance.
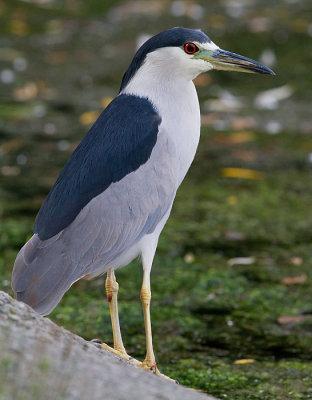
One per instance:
(119, 142)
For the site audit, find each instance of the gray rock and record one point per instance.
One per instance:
(40, 360)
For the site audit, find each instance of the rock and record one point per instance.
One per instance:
(40, 360)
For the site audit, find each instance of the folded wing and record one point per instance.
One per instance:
(106, 199)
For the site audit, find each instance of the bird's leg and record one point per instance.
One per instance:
(149, 361)
(112, 288)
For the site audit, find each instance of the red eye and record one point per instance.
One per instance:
(190, 48)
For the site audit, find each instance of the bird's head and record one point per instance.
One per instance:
(186, 53)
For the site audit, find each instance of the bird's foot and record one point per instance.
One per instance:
(146, 365)
(121, 353)
(152, 368)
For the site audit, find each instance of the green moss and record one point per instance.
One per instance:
(206, 312)
(44, 365)
(6, 362)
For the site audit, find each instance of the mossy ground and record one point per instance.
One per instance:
(208, 308)
(206, 312)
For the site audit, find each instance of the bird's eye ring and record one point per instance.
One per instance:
(190, 48)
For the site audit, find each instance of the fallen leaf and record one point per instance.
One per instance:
(241, 173)
(245, 155)
(241, 261)
(27, 92)
(290, 280)
(296, 260)
(189, 258)
(236, 138)
(232, 235)
(291, 319)
(209, 119)
(18, 27)
(232, 200)
(7, 170)
(105, 101)
(10, 145)
(242, 137)
(88, 117)
(244, 361)
(57, 57)
(239, 123)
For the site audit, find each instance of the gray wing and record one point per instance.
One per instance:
(105, 228)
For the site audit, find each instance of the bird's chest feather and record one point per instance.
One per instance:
(181, 124)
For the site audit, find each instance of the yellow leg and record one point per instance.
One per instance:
(112, 288)
(149, 362)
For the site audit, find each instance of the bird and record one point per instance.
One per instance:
(113, 197)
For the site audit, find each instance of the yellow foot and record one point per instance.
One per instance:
(122, 354)
(152, 367)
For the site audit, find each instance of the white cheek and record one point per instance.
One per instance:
(189, 66)
(202, 66)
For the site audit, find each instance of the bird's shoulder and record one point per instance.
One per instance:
(119, 142)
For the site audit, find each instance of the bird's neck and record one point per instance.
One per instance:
(162, 80)
(176, 101)
(164, 90)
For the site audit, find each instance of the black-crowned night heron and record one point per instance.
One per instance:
(114, 195)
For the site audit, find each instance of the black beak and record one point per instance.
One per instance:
(225, 60)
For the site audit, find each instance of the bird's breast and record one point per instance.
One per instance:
(181, 124)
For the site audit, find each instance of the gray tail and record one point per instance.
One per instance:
(40, 277)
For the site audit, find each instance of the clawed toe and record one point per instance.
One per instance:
(96, 340)
(152, 367)
(121, 353)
